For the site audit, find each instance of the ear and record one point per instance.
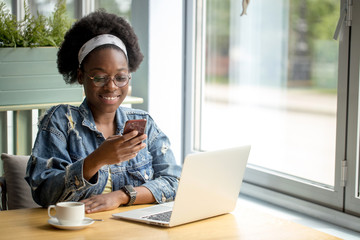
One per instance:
(80, 76)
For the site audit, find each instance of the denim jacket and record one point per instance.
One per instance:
(67, 134)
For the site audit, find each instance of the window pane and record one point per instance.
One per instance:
(8, 5)
(118, 7)
(46, 7)
(271, 81)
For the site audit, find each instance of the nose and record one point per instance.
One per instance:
(110, 84)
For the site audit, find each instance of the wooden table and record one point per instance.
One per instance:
(243, 223)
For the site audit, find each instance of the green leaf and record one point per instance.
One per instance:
(34, 31)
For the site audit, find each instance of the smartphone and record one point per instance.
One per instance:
(136, 124)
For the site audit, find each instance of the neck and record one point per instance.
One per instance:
(105, 119)
(105, 123)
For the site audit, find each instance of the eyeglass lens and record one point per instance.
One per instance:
(119, 80)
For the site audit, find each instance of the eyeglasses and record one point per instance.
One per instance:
(120, 80)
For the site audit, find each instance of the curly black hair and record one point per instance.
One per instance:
(96, 23)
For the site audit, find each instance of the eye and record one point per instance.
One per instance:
(121, 78)
(100, 78)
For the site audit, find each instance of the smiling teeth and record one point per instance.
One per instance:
(110, 98)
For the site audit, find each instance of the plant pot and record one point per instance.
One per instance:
(30, 76)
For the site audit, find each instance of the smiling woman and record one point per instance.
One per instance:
(81, 153)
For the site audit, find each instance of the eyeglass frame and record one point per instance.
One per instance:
(112, 78)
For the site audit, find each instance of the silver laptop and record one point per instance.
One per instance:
(209, 186)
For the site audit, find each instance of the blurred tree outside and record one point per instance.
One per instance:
(217, 41)
(312, 55)
(119, 7)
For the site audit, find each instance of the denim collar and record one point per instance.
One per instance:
(88, 119)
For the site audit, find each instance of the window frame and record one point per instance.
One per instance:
(352, 202)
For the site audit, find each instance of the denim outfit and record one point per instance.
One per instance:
(67, 135)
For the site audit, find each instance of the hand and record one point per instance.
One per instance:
(117, 149)
(104, 202)
(113, 150)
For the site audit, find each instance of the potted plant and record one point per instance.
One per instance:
(28, 48)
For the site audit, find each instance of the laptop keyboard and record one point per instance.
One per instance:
(164, 216)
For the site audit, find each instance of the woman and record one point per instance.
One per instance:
(80, 153)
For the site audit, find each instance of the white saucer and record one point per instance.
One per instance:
(55, 223)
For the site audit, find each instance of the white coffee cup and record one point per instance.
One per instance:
(68, 213)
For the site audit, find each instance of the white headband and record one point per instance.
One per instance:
(99, 41)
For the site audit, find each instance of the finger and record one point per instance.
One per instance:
(130, 135)
(136, 148)
(122, 140)
(142, 137)
(114, 137)
(86, 201)
(124, 137)
(91, 206)
(132, 152)
(130, 146)
(138, 140)
(98, 206)
(139, 147)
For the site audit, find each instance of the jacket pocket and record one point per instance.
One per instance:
(140, 170)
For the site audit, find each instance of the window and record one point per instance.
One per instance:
(118, 7)
(46, 7)
(276, 79)
(8, 5)
(265, 84)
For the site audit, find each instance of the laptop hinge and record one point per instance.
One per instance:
(344, 172)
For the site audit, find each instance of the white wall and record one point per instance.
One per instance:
(166, 68)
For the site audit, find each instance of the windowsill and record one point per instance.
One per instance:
(299, 218)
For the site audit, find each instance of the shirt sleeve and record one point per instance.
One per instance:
(51, 172)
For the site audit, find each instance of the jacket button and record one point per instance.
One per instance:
(77, 182)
